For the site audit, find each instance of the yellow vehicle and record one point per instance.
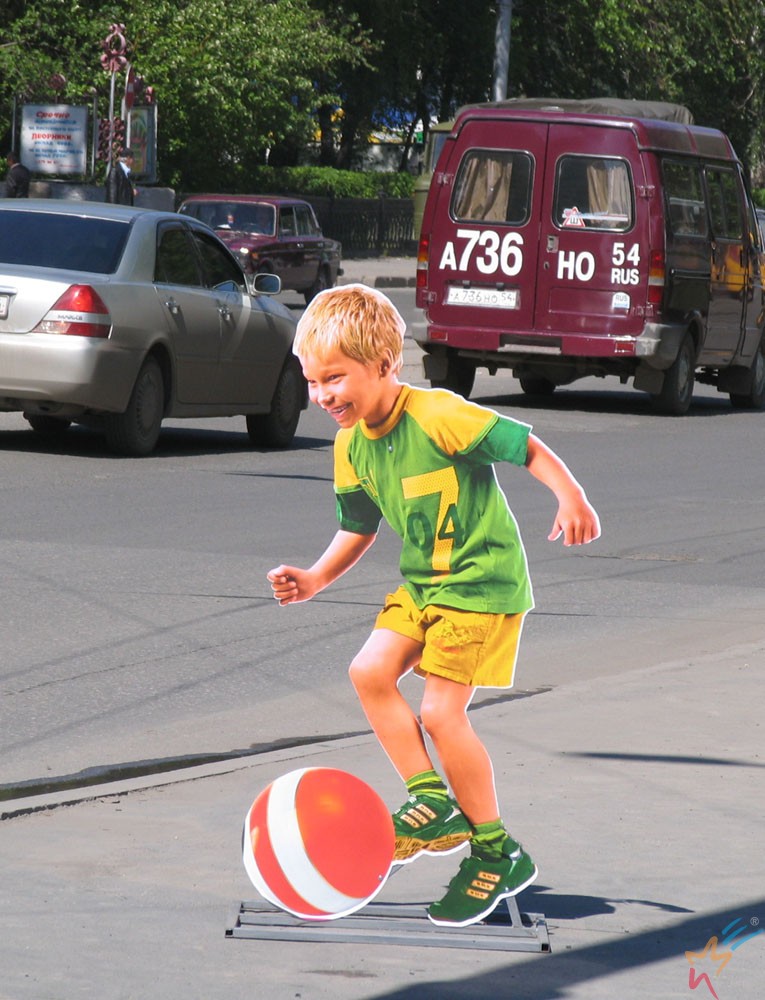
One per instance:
(433, 146)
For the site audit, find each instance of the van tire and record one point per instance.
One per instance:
(675, 396)
(459, 378)
(536, 385)
(754, 398)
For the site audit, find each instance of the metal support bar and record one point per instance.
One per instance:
(506, 929)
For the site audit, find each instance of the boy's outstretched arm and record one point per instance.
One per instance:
(576, 519)
(291, 584)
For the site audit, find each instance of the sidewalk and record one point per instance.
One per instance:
(639, 803)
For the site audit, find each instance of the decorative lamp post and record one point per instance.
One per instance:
(114, 60)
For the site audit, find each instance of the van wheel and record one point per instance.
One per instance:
(536, 385)
(754, 398)
(460, 376)
(675, 396)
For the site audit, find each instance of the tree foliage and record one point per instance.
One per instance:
(707, 56)
(233, 78)
(242, 83)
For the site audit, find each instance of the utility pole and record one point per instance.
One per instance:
(502, 49)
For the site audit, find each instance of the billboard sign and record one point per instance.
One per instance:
(54, 138)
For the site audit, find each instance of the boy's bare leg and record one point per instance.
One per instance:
(465, 760)
(375, 672)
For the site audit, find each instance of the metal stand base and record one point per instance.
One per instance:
(395, 923)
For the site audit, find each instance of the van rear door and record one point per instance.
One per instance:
(593, 278)
(484, 245)
(732, 306)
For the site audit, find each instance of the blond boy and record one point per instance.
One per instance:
(423, 459)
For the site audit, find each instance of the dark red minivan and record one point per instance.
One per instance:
(561, 244)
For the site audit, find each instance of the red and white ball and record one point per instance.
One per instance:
(318, 842)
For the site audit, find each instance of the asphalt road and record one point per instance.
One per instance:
(138, 626)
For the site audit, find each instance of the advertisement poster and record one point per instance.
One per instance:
(54, 138)
(142, 138)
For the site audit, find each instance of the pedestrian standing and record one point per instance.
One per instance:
(17, 178)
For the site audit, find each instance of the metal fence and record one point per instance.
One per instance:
(368, 227)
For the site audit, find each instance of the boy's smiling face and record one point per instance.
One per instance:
(349, 390)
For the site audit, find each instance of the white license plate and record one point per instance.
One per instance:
(4, 300)
(488, 298)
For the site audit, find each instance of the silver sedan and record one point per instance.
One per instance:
(120, 317)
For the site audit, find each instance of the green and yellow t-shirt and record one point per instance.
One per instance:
(428, 470)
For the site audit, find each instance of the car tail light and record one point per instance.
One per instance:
(79, 312)
(423, 252)
(656, 277)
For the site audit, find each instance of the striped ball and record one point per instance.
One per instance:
(318, 843)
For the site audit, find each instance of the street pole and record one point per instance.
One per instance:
(114, 61)
(502, 49)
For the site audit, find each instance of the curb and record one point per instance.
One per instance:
(377, 281)
(379, 272)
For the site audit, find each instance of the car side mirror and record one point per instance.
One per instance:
(264, 284)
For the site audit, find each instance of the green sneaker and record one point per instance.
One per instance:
(479, 885)
(428, 825)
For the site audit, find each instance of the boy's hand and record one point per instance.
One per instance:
(577, 521)
(291, 585)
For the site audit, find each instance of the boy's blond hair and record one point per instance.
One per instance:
(355, 319)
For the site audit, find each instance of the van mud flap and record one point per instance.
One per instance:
(648, 379)
(435, 367)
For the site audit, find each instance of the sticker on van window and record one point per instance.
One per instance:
(484, 249)
(573, 217)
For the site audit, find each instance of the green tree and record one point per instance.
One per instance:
(425, 59)
(707, 56)
(232, 77)
(242, 81)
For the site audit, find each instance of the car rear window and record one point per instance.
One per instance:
(67, 242)
(493, 186)
(593, 192)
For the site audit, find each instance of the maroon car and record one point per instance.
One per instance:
(273, 234)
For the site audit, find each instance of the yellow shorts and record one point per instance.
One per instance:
(466, 646)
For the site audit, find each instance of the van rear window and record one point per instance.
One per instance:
(724, 203)
(593, 192)
(493, 186)
(685, 196)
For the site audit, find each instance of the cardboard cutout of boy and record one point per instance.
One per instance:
(423, 459)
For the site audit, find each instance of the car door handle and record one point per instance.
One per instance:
(173, 306)
(225, 312)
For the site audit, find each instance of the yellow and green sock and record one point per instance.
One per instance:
(492, 841)
(427, 783)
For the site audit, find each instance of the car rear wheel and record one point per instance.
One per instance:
(675, 396)
(44, 424)
(276, 429)
(135, 432)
